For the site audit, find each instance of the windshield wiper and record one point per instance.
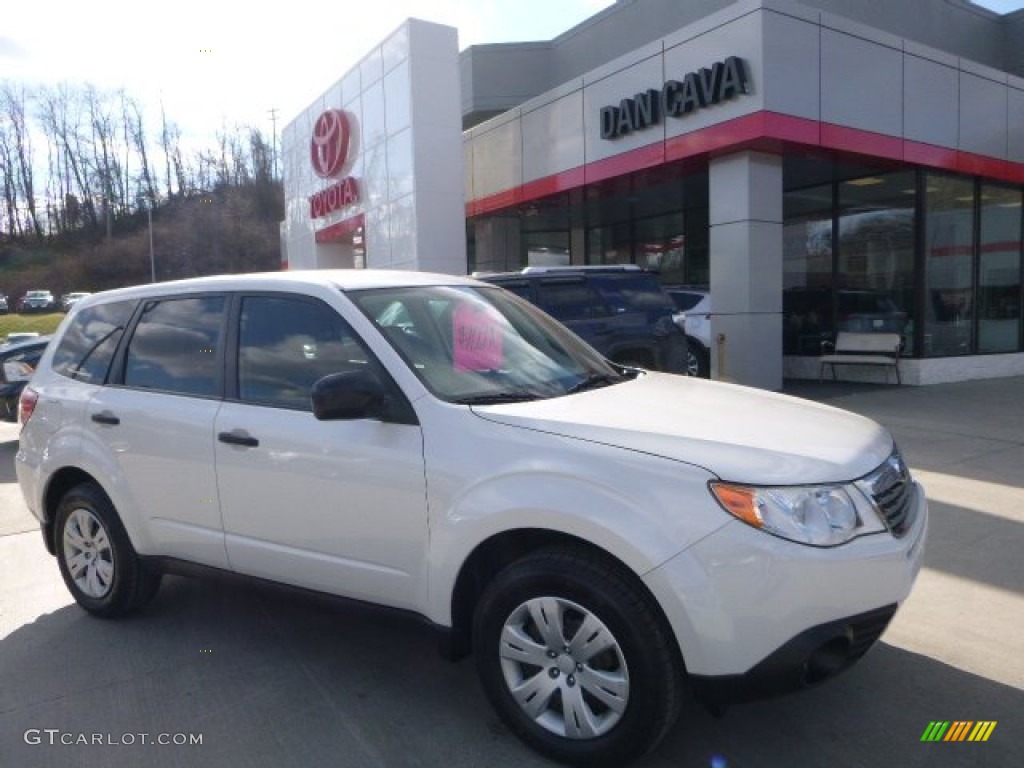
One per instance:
(595, 380)
(493, 398)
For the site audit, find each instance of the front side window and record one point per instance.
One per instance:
(286, 344)
(87, 347)
(176, 347)
(477, 345)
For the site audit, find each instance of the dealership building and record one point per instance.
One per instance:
(821, 166)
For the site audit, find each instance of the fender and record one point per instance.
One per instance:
(631, 505)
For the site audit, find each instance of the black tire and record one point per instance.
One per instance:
(640, 670)
(96, 558)
(698, 361)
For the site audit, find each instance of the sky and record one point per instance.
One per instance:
(1001, 6)
(216, 64)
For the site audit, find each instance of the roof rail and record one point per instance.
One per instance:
(584, 268)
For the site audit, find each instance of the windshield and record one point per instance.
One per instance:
(483, 345)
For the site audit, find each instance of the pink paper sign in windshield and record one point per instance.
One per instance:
(477, 334)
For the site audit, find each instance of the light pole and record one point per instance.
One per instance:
(152, 260)
(142, 200)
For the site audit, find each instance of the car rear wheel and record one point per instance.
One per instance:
(96, 558)
(576, 659)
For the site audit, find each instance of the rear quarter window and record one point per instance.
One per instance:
(87, 347)
(632, 293)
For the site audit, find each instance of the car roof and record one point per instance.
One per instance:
(13, 346)
(574, 270)
(342, 279)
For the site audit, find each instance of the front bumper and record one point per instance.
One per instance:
(815, 655)
(756, 615)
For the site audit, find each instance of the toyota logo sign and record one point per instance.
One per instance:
(329, 148)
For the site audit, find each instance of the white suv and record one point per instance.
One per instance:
(602, 538)
(694, 317)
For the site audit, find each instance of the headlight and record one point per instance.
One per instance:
(823, 515)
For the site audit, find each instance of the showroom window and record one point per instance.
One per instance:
(948, 265)
(875, 270)
(807, 269)
(999, 269)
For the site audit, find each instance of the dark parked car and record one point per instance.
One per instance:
(37, 301)
(17, 364)
(622, 311)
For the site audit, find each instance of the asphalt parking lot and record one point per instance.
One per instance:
(264, 677)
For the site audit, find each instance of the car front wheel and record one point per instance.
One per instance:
(96, 558)
(576, 659)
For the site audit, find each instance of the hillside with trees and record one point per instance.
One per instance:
(85, 184)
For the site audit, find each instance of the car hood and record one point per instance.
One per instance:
(737, 433)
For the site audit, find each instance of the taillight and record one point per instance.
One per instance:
(27, 404)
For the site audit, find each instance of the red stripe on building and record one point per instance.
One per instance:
(761, 131)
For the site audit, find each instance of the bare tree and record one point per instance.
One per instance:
(59, 116)
(136, 133)
(8, 179)
(13, 106)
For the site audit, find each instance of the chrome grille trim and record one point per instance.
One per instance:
(893, 492)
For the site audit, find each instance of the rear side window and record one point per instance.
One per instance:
(286, 344)
(87, 347)
(570, 300)
(632, 293)
(176, 346)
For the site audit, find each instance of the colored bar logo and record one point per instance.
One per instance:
(958, 730)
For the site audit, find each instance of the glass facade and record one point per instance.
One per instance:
(657, 219)
(949, 248)
(933, 257)
(999, 269)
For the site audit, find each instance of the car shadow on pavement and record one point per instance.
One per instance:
(872, 715)
(267, 676)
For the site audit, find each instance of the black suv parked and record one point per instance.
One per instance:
(622, 311)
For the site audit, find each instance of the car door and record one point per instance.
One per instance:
(155, 419)
(336, 506)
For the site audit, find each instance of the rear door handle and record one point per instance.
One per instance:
(106, 417)
(238, 438)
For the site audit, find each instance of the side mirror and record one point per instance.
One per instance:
(351, 395)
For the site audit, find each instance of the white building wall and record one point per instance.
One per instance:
(403, 97)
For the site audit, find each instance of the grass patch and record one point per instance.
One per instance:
(27, 323)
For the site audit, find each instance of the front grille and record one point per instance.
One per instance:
(893, 491)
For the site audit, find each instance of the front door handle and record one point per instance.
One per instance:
(238, 437)
(106, 417)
